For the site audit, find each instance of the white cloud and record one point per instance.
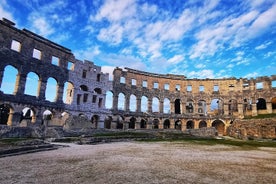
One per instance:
(3, 11)
(112, 34)
(41, 26)
(201, 74)
(199, 66)
(263, 46)
(176, 59)
(109, 70)
(252, 75)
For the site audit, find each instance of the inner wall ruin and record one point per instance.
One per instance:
(141, 100)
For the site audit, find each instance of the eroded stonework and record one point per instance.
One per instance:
(141, 100)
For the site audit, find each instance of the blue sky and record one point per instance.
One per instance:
(195, 38)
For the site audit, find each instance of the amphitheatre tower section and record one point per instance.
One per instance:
(150, 100)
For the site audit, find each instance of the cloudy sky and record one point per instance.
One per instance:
(195, 38)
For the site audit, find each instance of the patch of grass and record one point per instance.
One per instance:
(122, 134)
(13, 140)
(261, 116)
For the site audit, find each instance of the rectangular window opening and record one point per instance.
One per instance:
(85, 97)
(145, 84)
(177, 87)
(216, 88)
(273, 84)
(133, 82)
(259, 85)
(166, 86)
(55, 60)
(37, 54)
(70, 65)
(155, 85)
(98, 77)
(16, 46)
(122, 80)
(189, 88)
(201, 88)
(84, 74)
(100, 102)
(94, 98)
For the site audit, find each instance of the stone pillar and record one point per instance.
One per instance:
(183, 107)
(172, 108)
(240, 110)
(149, 105)
(115, 103)
(161, 106)
(20, 84)
(226, 109)
(208, 108)
(41, 89)
(1, 76)
(138, 104)
(183, 125)
(127, 98)
(269, 107)
(254, 109)
(59, 94)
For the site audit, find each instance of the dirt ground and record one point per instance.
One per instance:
(136, 162)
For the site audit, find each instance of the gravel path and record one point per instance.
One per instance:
(132, 162)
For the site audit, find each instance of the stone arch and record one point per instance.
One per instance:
(51, 89)
(98, 91)
(5, 114)
(220, 126)
(216, 106)
(27, 116)
(190, 124)
(178, 125)
(107, 122)
(155, 124)
(83, 88)
(109, 100)
(166, 124)
(121, 101)
(189, 106)
(232, 106)
(47, 117)
(132, 122)
(166, 106)
(120, 122)
(155, 104)
(273, 102)
(8, 84)
(261, 104)
(95, 121)
(177, 106)
(202, 124)
(247, 104)
(31, 86)
(143, 123)
(68, 93)
(133, 103)
(144, 104)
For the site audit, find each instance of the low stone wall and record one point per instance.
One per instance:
(253, 129)
(20, 132)
(203, 132)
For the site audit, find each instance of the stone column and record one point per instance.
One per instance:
(127, 98)
(115, 103)
(138, 104)
(150, 105)
(161, 106)
(254, 109)
(269, 107)
(20, 84)
(172, 108)
(226, 109)
(183, 107)
(1, 76)
(240, 110)
(59, 94)
(41, 89)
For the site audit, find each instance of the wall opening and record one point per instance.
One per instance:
(177, 106)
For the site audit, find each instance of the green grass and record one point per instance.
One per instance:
(122, 134)
(261, 116)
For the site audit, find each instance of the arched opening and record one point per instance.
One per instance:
(190, 124)
(261, 104)
(155, 104)
(219, 125)
(217, 106)
(155, 124)
(166, 124)
(83, 88)
(143, 123)
(202, 124)
(132, 123)
(177, 108)
(121, 101)
(189, 106)
(109, 100)
(47, 117)
(166, 107)
(94, 121)
(31, 84)
(27, 116)
(4, 114)
(202, 108)
(51, 90)
(9, 80)
(120, 122)
(133, 103)
(107, 122)
(232, 106)
(177, 125)
(68, 93)
(144, 104)
(98, 91)
(247, 105)
(273, 101)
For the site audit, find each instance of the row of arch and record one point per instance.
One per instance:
(144, 104)
(134, 123)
